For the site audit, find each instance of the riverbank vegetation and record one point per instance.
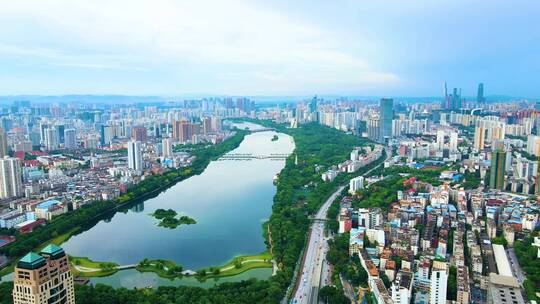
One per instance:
(526, 254)
(88, 215)
(163, 268)
(299, 193)
(169, 269)
(58, 239)
(168, 219)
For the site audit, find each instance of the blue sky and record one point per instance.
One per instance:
(234, 47)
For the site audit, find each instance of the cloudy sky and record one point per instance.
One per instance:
(278, 47)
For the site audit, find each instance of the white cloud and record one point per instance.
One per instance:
(212, 38)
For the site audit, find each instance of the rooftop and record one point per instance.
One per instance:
(47, 204)
(31, 261)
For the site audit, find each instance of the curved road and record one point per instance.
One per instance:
(315, 269)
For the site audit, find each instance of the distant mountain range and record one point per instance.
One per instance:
(125, 99)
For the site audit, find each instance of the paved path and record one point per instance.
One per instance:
(243, 262)
(516, 268)
(91, 269)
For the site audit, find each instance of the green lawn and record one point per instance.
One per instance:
(240, 264)
(163, 268)
(101, 268)
(169, 269)
(58, 240)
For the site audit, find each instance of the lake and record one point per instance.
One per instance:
(230, 200)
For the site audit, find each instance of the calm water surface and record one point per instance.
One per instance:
(131, 278)
(229, 200)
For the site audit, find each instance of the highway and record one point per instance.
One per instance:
(315, 269)
(312, 268)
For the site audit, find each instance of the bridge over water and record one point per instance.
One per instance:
(250, 156)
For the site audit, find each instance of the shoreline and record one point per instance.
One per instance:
(118, 206)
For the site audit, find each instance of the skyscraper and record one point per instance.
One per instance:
(70, 139)
(479, 138)
(60, 130)
(10, 177)
(373, 129)
(139, 134)
(480, 95)
(453, 141)
(3, 143)
(440, 140)
(387, 114)
(135, 158)
(451, 101)
(496, 175)
(207, 125)
(43, 278)
(51, 138)
(167, 147)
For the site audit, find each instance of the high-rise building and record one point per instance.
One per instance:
(43, 278)
(108, 135)
(51, 138)
(138, 134)
(70, 139)
(401, 288)
(480, 95)
(355, 184)
(10, 177)
(42, 129)
(453, 141)
(496, 176)
(479, 138)
(440, 140)
(60, 130)
(167, 147)
(23, 146)
(216, 124)
(207, 125)
(386, 106)
(3, 143)
(373, 129)
(452, 101)
(135, 157)
(178, 129)
(438, 284)
(533, 145)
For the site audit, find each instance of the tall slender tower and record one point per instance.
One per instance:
(135, 158)
(10, 177)
(3, 143)
(386, 108)
(496, 176)
(480, 96)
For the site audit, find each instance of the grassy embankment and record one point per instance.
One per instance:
(169, 269)
(58, 240)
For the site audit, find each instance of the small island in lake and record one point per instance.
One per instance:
(275, 137)
(169, 220)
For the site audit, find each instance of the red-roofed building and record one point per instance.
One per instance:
(31, 162)
(37, 153)
(19, 154)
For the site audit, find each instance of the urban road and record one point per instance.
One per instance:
(316, 271)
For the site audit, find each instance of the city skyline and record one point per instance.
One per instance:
(261, 49)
